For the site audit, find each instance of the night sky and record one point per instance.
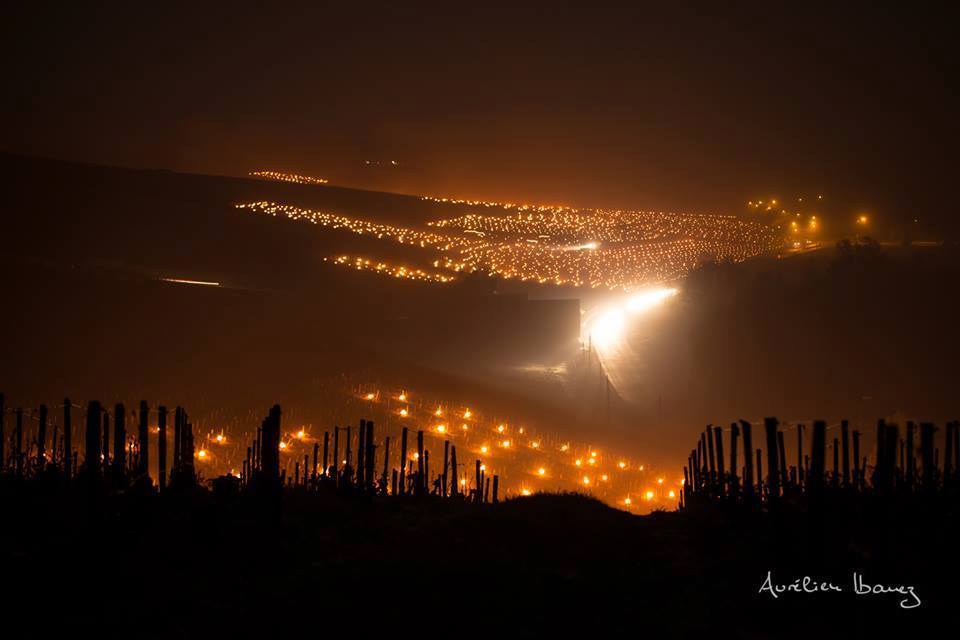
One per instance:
(686, 108)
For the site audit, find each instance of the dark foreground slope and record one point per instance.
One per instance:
(547, 566)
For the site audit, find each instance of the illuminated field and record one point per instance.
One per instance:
(527, 460)
(545, 244)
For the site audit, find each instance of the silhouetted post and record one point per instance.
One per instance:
(67, 438)
(486, 491)
(18, 445)
(857, 474)
(421, 480)
(370, 457)
(496, 487)
(926, 456)
(53, 446)
(316, 455)
(836, 462)
(694, 472)
(947, 452)
(403, 461)
(911, 460)
(393, 485)
(361, 450)
(718, 434)
(760, 474)
(326, 444)
(91, 458)
(478, 494)
(699, 456)
(446, 462)
(734, 481)
(454, 488)
(257, 462)
(189, 469)
(426, 472)
(845, 438)
(143, 440)
(177, 437)
(336, 455)
(708, 433)
(800, 454)
(902, 466)
(162, 446)
(348, 476)
(773, 468)
(42, 439)
(105, 449)
(386, 465)
(119, 438)
(747, 458)
(783, 459)
(270, 449)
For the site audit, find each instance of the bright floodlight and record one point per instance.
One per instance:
(649, 298)
(608, 328)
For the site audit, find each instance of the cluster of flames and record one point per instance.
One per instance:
(526, 460)
(287, 177)
(598, 248)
